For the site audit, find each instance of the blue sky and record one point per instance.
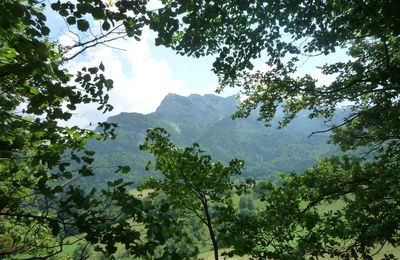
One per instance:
(143, 73)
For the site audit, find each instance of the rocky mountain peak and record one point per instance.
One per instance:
(204, 108)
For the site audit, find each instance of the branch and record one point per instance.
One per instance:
(40, 218)
(379, 249)
(83, 251)
(47, 256)
(359, 181)
(348, 85)
(320, 199)
(386, 53)
(93, 45)
(94, 42)
(347, 120)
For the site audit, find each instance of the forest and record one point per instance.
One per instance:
(344, 205)
(206, 120)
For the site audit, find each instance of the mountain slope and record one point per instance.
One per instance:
(207, 120)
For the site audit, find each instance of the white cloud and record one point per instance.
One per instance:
(68, 39)
(141, 81)
(322, 79)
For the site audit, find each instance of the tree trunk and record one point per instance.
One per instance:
(211, 231)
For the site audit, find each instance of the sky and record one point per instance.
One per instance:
(144, 74)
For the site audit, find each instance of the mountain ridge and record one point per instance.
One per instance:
(207, 120)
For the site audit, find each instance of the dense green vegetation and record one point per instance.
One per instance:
(40, 207)
(192, 182)
(239, 32)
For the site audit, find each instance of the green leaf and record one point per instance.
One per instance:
(123, 169)
(90, 153)
(56, 6)
(106, 26)
(93, 70)
(58, 189)
(71, 20)
(109, 84)
(55, 227)
(101, 66)
(83, 25)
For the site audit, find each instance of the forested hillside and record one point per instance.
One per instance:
(345, 206)
(207, 120)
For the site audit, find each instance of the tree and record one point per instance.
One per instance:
(191, 181)
(35, 195)
(239, 32)
(246, 204)
(82, 252)
(170, 233)
(40, 158)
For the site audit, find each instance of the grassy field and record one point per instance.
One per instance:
(206, 250)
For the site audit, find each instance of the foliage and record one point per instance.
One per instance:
(39, 158)
(169, 233)
(191, 181)
(37, 200)
(282, 32)
(239, 31)
(246, 204)
(82, 252)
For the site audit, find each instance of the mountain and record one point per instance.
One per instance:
(207, 120)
